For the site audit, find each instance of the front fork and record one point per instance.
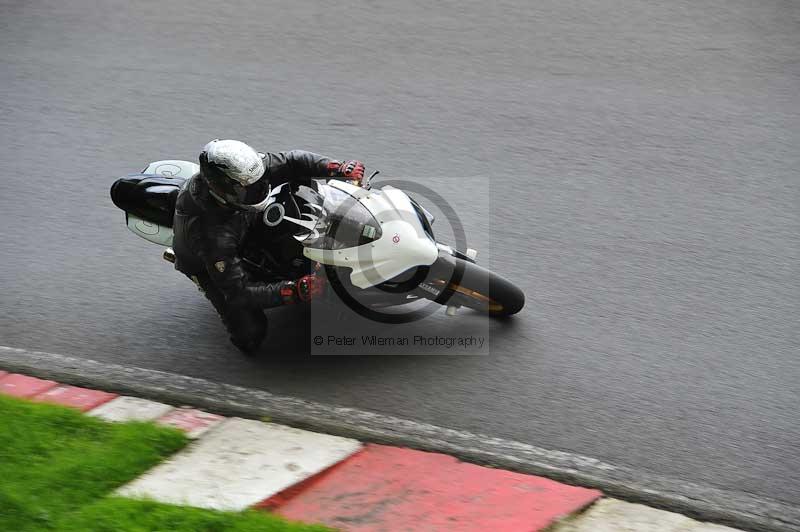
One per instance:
(469, 256)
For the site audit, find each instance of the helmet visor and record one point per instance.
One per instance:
(231, 191)
(226, 189)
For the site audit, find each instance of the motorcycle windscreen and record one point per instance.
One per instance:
(343, 222)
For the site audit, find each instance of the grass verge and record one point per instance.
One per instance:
(113, 514)
(57, 467)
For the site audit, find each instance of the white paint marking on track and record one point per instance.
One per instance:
(239, 463)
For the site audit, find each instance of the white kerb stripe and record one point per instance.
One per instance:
(130, 409)
(240, 463)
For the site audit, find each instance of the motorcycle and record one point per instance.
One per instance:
(376, 245)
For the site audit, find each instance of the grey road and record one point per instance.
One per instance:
(640, 160)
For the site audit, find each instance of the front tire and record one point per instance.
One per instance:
(479, 289)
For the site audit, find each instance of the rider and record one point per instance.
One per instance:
(212, 218)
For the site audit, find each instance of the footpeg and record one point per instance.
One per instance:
(169, 255)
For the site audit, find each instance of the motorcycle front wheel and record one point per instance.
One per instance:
(475, 287)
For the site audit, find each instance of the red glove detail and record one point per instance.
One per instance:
(333, 168)
(289, 292)
(352, 170)
(310, 287)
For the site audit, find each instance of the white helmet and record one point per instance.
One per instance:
(229, 166)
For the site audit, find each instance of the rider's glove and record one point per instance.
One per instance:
(353, 171)
(303, 290)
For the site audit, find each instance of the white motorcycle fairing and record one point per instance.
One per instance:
(403, 244)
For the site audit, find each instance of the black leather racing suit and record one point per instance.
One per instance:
(208, 240)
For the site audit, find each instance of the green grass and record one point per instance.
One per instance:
(113, 514)
(57, 468)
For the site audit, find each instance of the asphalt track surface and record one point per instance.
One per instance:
(642, 161)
